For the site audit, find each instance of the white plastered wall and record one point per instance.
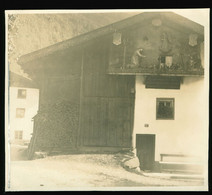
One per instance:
(186, 133)
(31, 107)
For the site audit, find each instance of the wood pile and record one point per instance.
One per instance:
(55, 126)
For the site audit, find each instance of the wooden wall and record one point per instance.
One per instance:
(107, 101)
(57, 121)
(60, 76)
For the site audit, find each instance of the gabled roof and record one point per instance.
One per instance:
(170, 17)
(16, 80)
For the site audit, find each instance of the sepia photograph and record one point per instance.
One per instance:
(107, 100)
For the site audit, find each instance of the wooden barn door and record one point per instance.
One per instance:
(107, 121)
(120, 122)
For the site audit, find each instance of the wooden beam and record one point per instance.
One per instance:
(79, 134)
(146, 74)
(133, 142)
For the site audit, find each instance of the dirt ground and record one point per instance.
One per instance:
(79, 172)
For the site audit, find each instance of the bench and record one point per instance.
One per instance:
(180, 166)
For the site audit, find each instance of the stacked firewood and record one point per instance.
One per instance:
(56, 125)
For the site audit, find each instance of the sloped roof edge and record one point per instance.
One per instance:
(16, 80)
(170, 16)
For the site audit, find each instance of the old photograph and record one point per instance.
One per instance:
(107, 100)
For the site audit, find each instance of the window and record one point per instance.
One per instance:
(22, 93)
(20, 112)
(18, 134)
(165, 109)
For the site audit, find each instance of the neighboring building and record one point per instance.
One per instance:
(138, 83)
(23, 106)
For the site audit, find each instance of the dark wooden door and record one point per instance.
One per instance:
(145, 145)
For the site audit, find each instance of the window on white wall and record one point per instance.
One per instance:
(18, 134)
(20, 112)
(21, 93)
(165, 109)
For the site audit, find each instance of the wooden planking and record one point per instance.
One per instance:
(88, 121)
(99, 85)
(103, 128)
(96, 57)
(120, 86)
(121, 112)
(108, 101)
(107, 121)
(119, 122)
(112, 120)
(60, 88)
(94, 122)
(96, 81)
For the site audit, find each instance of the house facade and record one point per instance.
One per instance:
(23, 106)
(138, 83)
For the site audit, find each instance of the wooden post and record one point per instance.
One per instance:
(79, 139)
(133, 136)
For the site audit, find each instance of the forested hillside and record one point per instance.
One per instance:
(30, 32)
